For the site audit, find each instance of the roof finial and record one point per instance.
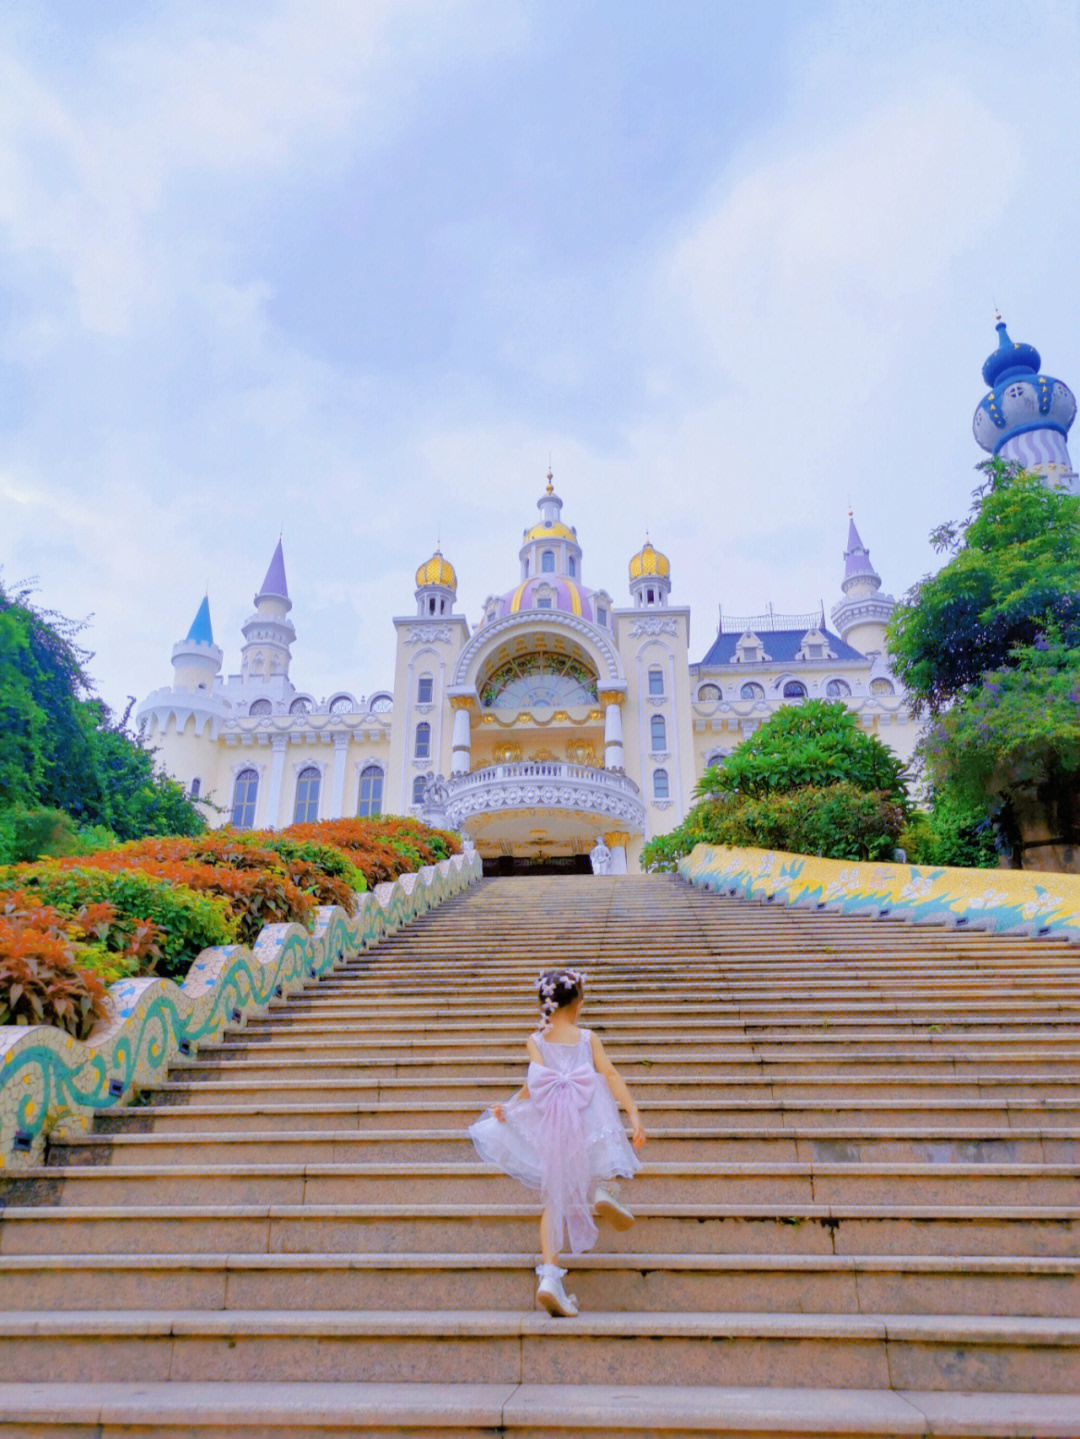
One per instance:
(550, 478)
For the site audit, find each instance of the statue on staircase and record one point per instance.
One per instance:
(600, 857)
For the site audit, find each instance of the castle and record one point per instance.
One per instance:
(561, 716)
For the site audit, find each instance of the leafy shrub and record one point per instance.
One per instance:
(183, 922)
(42, 980)
(29, 834)
(383, 848)
(839, 821)
(954, 832)
(815, 745)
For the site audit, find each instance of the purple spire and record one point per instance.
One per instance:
(274, 584)
(857, 557)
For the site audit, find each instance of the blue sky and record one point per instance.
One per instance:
(357, 269)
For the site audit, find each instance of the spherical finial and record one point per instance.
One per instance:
(550, 481)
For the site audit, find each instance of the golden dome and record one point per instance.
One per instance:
(649, 562)
(555, 531)
(437, 571)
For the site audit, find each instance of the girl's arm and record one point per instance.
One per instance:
(499, 1110)
(618, 1088)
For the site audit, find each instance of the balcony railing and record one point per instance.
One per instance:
(545, 784)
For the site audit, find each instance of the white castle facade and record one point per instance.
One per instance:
(561, 717)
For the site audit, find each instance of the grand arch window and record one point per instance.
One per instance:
(422, 749)
(658, 733)
(539, 679)
(369, 801)
(307, 796)
(245, 792)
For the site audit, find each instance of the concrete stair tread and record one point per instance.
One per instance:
(713, 1169)
(1066, 1265)
(784, 1211)
(572, 1410)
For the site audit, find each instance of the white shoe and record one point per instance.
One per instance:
(606, 1206)
(552, 1296)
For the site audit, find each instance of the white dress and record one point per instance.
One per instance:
(563, 1139)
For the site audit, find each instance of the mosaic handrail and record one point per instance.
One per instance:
(1004, 901)
(51, 1083)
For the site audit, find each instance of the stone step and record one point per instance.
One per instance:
(224, 1170)
(990, 1230)
(965, 1352)
(920, 1144)
(653, 1083)
(747, 1062)
(818, 1283)
(269, 1409)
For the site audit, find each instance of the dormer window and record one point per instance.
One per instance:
(544, 603)
(749, 649)
(815, 646)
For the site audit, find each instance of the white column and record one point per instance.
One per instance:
(280, 745)
(461, 758)
(337, 790)
(616, 843)
(613, 737)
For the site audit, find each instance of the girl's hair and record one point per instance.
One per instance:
(557, 987)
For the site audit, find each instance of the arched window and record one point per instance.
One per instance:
(837, 689)
(794, 690)
(342, 704)
(424, 687)
(709, 694)
(658, 734)
(751, 692)
(881, 687)
(307, 796)
(547, 562)
(656, 680)
(245, 791)
(260, 707)
(418, 789)
(300, 706)
(423, 741)
(371, 787)
(196, 787)
(660, 784)
(381, 703)
(571, 567)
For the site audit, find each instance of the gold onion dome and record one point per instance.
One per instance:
(649, 561)
(556, 530)
(436, 571)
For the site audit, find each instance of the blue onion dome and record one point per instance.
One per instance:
(1020, 400)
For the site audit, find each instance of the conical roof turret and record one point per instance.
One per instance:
(274, 586)
(857, 564)
(202, 631)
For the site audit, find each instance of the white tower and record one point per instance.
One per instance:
(862, 615)
(197, 659)
(268, 633)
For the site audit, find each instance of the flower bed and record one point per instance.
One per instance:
(149, 907)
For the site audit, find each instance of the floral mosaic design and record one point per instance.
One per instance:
(1004, 901)
(52, 1083)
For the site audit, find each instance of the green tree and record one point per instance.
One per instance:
(814, 744)
(60, 749)
(990, 647)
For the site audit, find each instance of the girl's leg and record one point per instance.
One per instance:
(547, 1246)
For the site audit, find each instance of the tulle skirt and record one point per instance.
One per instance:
(516, 1145)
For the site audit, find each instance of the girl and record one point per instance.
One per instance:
(561, 1133)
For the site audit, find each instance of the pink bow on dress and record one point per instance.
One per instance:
(561, 1100)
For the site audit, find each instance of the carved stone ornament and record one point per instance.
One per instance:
(654, 627)
(428, 635)
(662, 804)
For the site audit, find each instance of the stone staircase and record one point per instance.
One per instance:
(858, 1215)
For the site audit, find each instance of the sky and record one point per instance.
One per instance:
(356, 271)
